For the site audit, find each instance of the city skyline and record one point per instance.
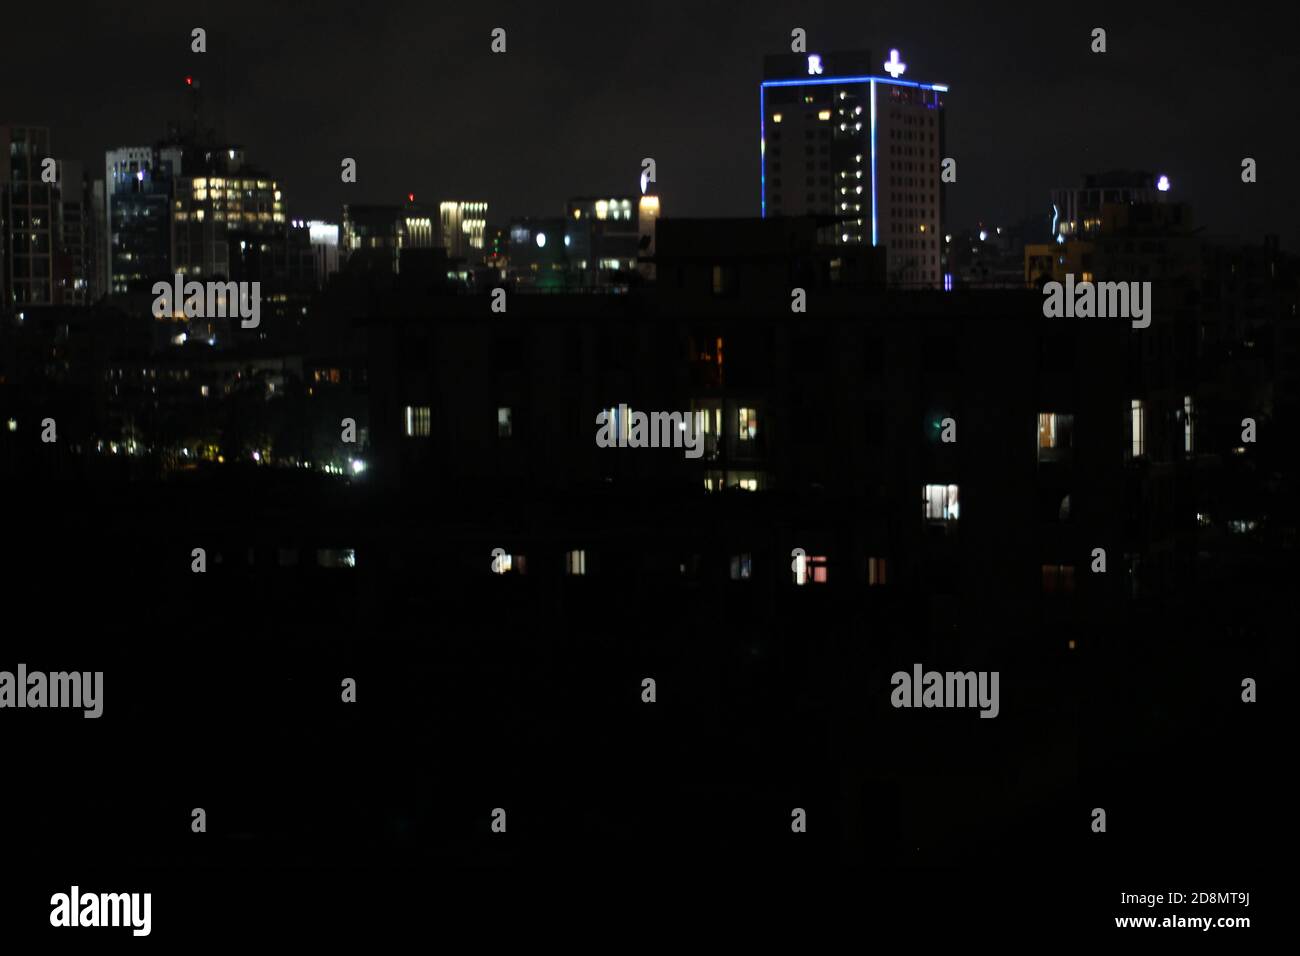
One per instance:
(613, 443)
(1010, 129)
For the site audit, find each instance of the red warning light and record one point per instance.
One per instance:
(189, 81)
(410, 197)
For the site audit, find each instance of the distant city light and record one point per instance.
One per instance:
(189, 81)
(541, 240)
(325, 233)
(410, 197)
(358, 466)
(983, 235)
(1162, 184)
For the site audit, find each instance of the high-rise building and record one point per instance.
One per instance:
(27, 222)
(174, 207)
(845, 137)
(463, 224)
(214, 194)
(137, 198)
(75, 246)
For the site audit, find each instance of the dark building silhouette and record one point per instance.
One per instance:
(824, 431)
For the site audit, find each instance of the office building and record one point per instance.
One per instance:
(75, 245)
(846, 137)
(216, 193)
(463, 225)
(27, 218)
(372, 237)
(137, 239)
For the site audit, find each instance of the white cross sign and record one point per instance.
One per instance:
(893, 67)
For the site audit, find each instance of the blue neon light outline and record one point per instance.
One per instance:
(762, 152)
(874, 205)
(823, 81)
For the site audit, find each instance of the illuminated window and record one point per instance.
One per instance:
(1137, 428)
(1189, 444)
(575, 562)
(742, 566)
(748, 424)
(417, 421)
(939, 503)
(1058, 578)
(1055, 435)
(723, 280)
(503, 563)
(877, 572)
(811, 568)
(336, 558)
(505, 422)
(620, 425)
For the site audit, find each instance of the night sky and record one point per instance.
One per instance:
(588, 89)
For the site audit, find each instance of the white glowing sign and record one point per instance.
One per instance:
(893, 67)
(814, 64)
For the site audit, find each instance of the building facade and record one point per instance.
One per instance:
(463, 225)
(76, 246)
(137, 215)
(216, 194)
(839, 139)
(27, 218)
